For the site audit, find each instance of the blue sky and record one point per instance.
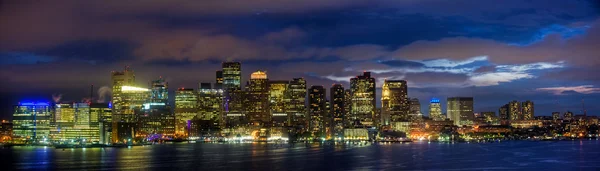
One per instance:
(496, 51)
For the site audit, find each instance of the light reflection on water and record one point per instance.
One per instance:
(562, 155)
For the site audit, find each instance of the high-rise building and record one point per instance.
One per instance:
(568, 116)
(514, 111)
(186, 108)
(414, 109)
(234, 108)
(210, 108)
(528, 111)
(460, 110)
(160, 91)
(555, 116)
(31, 122)
(295, 97)
(503, 113)
(394, 101)
(219, 80)
(232, 75)
(126, 100)
(348, 121)
(104, 113)
(156, 122)
(317, 110)
(120, 79)
(277, 91)
(257, 99)
(435, 110)
(363, 99)
(337, 109)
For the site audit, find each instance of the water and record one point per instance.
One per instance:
(515, 155)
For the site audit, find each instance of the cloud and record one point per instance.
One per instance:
(583, 89)
(450, 63)
(495, 78)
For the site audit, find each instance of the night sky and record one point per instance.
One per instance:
(496, 51)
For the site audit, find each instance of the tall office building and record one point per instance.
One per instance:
(528, 112)
(126, 100)
(160, 91)
(317, 109)
(31, 122)
(435, 110)
(156, 122)
(514, 111)
(277, 91)
(104, 114)
(234, 109)
(460, 110)
(394, 101)
(337, 109)
(295, 97)
(257, 99)
(363, 99)
(210, 108)
(503, 113)
(415, 109)
(348, 121)
(186, 108)
(120, 79)
(232, 75)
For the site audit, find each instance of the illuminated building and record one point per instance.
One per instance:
(125, 121)
(348, 108)
(394, 101)
(295, 97)
(160, 91)
(337, 109)
(156, 122)
(514, 111)
(64, 113)
(460, 110)
(435, 110)
(555, 116)
(490, 117)
(104, 114)
(31, 122)
(83, 129)
(277, 91)
(257, 99)
(526, 123)
(415, 109)
(317, 110)
(503, 113)
(528, 111)
(120, 79)
(6, 131)
(363, 99)
(186, 108)
(232, 75)
(210, 110)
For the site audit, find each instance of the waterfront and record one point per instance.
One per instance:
(548, 155)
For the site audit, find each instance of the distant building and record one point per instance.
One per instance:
(363, 99)
(295, 97)
(186, 108)
(219, 80)
(104, 113)
(527, 110)
(257, 99)
(31, 122)
(394, 101)
(415, 109)
(555, 116)
(210, 109)
(337, 109)
(127, 99)
(277, 92)
(460, 110)
(6, 131)
(317, 109)
(232, 75)
(568, 116)
(435, 110)
(514, 111)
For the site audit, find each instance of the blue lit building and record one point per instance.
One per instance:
(31, 122)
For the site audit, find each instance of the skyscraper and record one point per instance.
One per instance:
(435, 110)
(277, 91)
(363, 99)
(337, 109)
(394, 101)
(104, 113)
(120, 79)
(160, 91)
(460, 110)
(528, 112)
(257, 99)
(414, 109)
(295, 97)
(219, 80)
(503, 113)
(317, 109)
(232, 75)
(186, 108)
(210, 109)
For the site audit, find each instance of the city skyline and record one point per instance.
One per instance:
(524, 50)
